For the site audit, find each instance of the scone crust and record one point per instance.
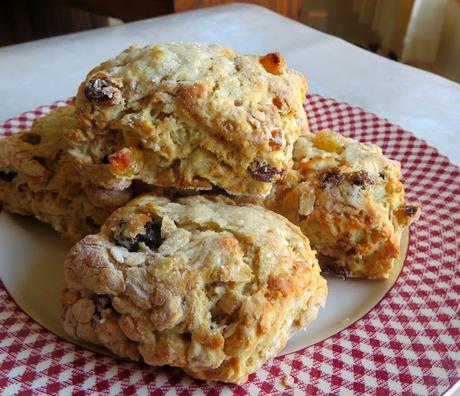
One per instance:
(200, 283)
(38, 177)
(348, 199)
(199, 114)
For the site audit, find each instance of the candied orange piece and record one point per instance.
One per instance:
(126, 162)
(324, 140)
(274, 63)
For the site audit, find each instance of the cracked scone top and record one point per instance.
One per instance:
(38, 177)
(348, 199)
(198, 283)
(193, 115)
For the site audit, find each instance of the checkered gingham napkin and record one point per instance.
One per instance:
(408, 344)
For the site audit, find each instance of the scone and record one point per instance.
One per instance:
(198, 283)
(38, 177)
(348, 199)
(194, 116)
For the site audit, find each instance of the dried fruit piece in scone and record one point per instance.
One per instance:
(348, 199)
(203, 284)
(189, 115)
(38, 177)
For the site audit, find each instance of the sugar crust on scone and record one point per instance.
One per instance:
(348, 199)
(199, 283)
(38, 177)
(190, 115)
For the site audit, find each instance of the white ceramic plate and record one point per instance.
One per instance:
(32, 258)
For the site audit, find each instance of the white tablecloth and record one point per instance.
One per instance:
(43, 71)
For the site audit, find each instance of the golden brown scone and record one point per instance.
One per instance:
(198, 283)
(38, 177)
(189, 115)
(348, 199)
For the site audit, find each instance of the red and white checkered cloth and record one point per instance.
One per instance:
(408, 344)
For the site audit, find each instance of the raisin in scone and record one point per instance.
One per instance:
(38, 177)
(203, 284)
(190, 115)
(348, 199)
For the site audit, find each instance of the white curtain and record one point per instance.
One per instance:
(423, 35)
(388, 18)
(410, 28)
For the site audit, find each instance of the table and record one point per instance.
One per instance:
(42, 71)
